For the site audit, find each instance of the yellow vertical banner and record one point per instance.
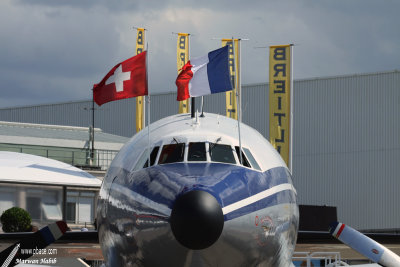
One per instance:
(182, 56)
(231, 105)
(139, 100)
(279, 99)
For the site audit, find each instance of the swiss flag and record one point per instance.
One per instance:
(127, 79)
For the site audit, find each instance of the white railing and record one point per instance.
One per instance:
(104, 158)
(331, 259)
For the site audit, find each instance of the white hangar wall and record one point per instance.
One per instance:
(347, 147)
(346, 138)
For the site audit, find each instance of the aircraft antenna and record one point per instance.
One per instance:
(202, 107)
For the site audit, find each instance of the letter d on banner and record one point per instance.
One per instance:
(140, 99)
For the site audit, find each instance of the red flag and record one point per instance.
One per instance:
(127, 79)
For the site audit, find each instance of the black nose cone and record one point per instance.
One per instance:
(196, 219)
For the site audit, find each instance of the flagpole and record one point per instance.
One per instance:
(144, 97)
(193, 100)
(291, 110)
(148, 128)
(237, 87)
(92, 150)
(148, 107)
(240, 81)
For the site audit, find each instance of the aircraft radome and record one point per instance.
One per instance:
(196, 204)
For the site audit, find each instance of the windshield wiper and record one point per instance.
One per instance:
(212, 145)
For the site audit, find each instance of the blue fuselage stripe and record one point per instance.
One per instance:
(283, 197)
(227, 183)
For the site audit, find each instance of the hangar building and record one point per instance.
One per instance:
(68, 144)
(50, 190)
(346, 138)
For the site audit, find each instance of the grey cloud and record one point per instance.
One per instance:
(53, 51)
(131, 6)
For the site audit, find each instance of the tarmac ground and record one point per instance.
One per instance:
(88, 248)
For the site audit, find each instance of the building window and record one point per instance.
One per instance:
(71, 210)
(52, 211)
(34, 208)
(7, 199)
(43, 205)
(80, 207)
(85, 210)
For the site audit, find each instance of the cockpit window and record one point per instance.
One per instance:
(252, 160)
(153, 156)
(244, 158)
(221, 153)
(144, 158)
(172, 153)
(197, 152)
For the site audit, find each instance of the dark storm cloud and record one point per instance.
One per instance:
(54, 50)
(47, 53)
(112, 6)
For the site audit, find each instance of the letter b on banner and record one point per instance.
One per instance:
(280, 53)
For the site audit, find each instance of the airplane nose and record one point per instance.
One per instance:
(196, 219)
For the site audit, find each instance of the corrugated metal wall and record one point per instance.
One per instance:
(346, 141)
(347, 147)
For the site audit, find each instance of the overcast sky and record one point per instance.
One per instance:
(53, 51)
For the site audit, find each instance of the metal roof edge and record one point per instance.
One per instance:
(55, 142)
(47, 104)
(47, 126)
(79, 185)
(249, 84)
(347, 75)
(329, 77)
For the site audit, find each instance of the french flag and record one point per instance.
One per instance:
(205, 75)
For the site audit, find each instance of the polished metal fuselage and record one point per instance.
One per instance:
(134, 209)
(258, 203)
